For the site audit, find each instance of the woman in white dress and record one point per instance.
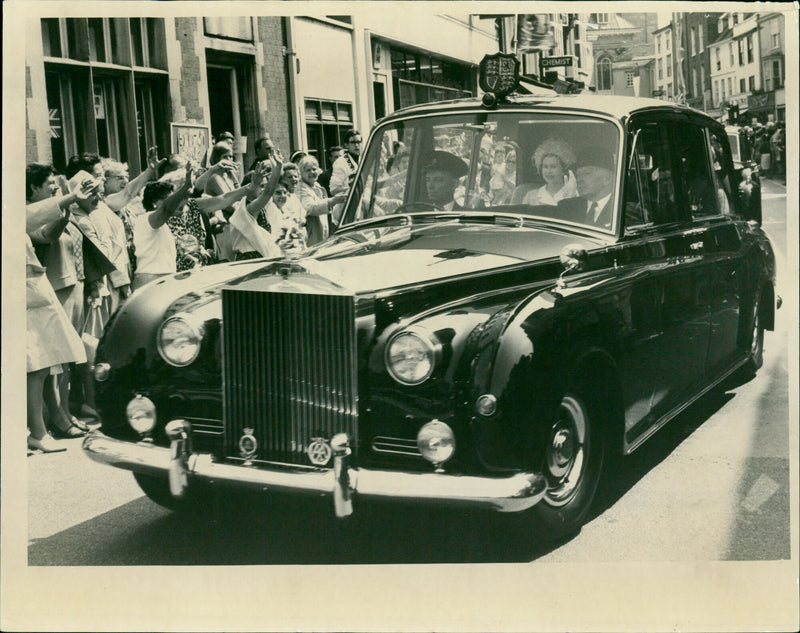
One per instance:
(553, 159)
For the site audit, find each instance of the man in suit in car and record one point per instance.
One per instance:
(441, 179)
(594, 205)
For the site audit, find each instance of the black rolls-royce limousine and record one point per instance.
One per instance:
(519, 289)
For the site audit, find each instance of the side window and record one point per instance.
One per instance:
(650, 185)
(724, 176)
(694, 171)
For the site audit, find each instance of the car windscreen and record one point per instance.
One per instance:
(534, 163)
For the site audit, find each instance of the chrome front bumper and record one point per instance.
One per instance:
(181, 466)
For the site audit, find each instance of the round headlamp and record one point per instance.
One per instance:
(141, 414)
(179, 339)
(436, 442)
(411, 356)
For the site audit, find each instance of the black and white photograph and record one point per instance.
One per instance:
(400, 316)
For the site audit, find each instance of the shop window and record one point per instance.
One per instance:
(65, 37)
(90, 105)
(326, 123)
(68, 107)
(109, 106)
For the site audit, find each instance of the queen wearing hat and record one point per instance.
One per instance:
(553, 160)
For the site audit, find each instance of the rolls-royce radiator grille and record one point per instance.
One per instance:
(289, 371)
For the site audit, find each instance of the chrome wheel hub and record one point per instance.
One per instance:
(566, 453)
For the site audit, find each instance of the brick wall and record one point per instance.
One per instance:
(274, 115)
(186, 33)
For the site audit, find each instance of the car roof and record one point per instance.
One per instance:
(616, 106)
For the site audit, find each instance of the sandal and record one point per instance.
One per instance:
(69, 433)
(79, 424)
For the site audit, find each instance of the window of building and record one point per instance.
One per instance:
(326, 123)
(230, 28)
(740, 47)
(716, 54)
(604, 74)
(722, 92)
(777, 75)
(715, 95)
(602, 18)
(700, 40)
(658, 44)
(669, 65)
(89, 99)
(419, 78)
(660, 69)
(730, 53)
(741, 85)
(776, 40)
(669, 90)
(693, 41)
(629, 78)
(667, 42)
(750, 49)
(751, 83)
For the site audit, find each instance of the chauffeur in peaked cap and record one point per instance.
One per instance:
(441, 179)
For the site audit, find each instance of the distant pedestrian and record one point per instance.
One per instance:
(344, 170)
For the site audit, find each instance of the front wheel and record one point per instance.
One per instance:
(573, 465)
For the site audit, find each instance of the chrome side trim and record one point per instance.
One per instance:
(681, 407)
(508, 494)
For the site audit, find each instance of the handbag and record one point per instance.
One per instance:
(92, 331)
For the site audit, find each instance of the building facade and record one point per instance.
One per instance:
(116, 86)
(769, 103)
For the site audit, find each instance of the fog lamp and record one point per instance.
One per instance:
(101, 372)
(436, 442)
(141, 413)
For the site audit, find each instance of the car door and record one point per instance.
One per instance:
(667, 336)
(713, 235)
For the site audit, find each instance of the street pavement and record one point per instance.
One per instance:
(712, 485)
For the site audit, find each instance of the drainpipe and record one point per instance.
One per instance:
(295, 98)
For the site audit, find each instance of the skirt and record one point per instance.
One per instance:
(51, 338)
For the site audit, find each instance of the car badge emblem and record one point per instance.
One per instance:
(248, 444)
(319, 451)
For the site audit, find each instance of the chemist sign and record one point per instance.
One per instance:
(550, 62)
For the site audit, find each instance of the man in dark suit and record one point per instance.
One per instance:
(594, 205)
(441, 179)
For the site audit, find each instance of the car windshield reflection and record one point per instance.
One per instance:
(560, 167)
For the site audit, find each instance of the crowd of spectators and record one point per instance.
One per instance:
(767, 147)
(94, 236)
